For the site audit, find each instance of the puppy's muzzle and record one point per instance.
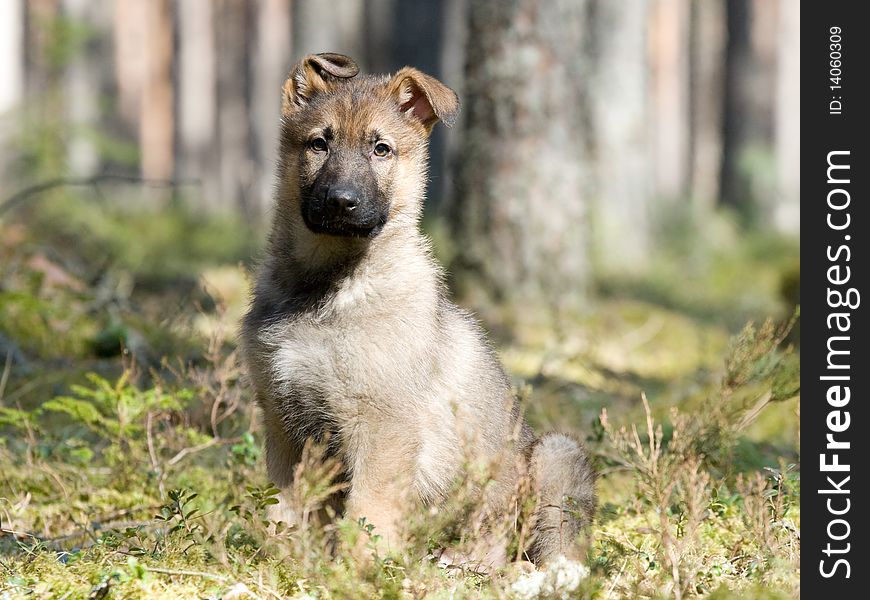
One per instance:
(341, 200)
(343, 209)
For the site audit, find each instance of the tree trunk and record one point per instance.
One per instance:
(11, 55)
(156, 127)
(87, 81)
(335, 26)
(378, 31)
(748, 178)
(671, 115)
(520, 217)
(196, 79)
(453, 54)
(418, 29)
(12, 76)
(706, 84)
(270, 67)
(787, 213)
(620, 116)
(236, 169)
(130, 58)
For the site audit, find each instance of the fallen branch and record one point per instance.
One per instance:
(199, 448)
(21, 196)
(182, 572)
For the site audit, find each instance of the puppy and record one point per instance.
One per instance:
(351, 338)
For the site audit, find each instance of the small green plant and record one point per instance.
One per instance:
(98, 470)
(247, 451)
(257, 499)
(180, 516)
(113, 410)
(682, 493)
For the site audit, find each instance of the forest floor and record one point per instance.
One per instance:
(138, 472)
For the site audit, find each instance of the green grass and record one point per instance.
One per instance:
(130, 449)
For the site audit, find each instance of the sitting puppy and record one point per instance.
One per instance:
(351, 337)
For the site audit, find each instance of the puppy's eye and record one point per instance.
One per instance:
(318, 144)
(382, 149)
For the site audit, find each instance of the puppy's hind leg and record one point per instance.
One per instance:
(565, 484)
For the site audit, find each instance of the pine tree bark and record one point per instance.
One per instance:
(787, 212)
(11, 55)
(236, 170)
(87, 79)
(196, 78)
(706, 84)
(270, 66)
(12, 74)
(747, 180)
(335, 26)
(520, 216)
(619, 131)
(156, 126)
(129, 43)
(671, 114)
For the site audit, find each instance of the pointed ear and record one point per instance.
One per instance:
(314, 74)
(424, 97)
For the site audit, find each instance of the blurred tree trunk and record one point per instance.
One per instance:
(87, 80)
(453, 53)
(271, 65)
(156, 126)
(11, 55)
(236, 170)
(410, 33)
(620, 137)
(196, 78)
(130, 57)
(418, 31)
(43, 111)
(335, 26)
(671, 115)
(748, 178)
(521, 217)
(706, 83)
(787, 215)
(378, 31)
(12, 75)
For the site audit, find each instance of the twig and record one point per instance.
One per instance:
(7, 567)
(752, 414)
(5, 377)
(22, 195)
(90, 532)
(188, 573)
(87, 530)
(16, 533)
(613, 582)
(126, 512)
(199, 448)
(152, 454)
(44, 380)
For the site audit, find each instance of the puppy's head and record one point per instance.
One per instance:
(354, 148)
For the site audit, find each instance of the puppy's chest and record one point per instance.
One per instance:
(341, 371)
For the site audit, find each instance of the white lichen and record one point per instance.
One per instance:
(558, 580)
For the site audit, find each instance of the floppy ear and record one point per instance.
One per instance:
(424, 97)
(312, 75)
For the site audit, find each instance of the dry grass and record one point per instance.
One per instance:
(144, 478)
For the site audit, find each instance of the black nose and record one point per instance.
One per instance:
(341, 198)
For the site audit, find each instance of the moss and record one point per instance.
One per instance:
(87, 469)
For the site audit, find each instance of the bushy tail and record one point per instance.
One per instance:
(565, 483)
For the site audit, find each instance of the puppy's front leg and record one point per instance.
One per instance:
(381, 488)
(282, 456)
(381, 507)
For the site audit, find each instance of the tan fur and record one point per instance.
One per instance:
(352, 339)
